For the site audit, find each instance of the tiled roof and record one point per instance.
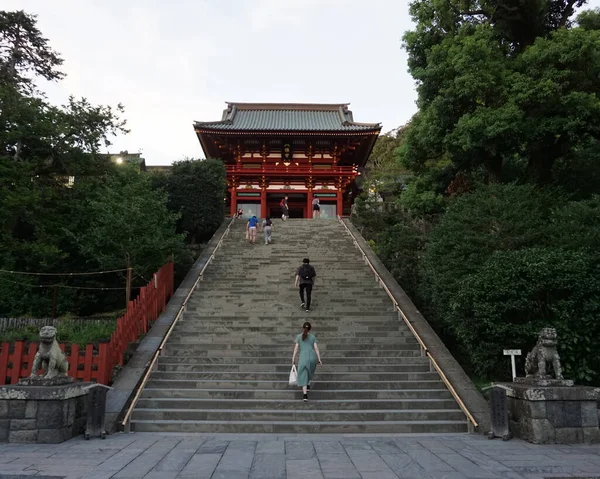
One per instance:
(287, 117)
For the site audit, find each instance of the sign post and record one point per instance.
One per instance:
(512, 353)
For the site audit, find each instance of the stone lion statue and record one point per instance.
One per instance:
(544, 352)
(49, 356)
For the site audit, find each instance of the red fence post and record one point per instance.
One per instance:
(17, 361)
(4, 347)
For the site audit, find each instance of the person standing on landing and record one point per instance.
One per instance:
(305, 279)
(307, 360)
(316, 206)
(251, 229)
(285, 210)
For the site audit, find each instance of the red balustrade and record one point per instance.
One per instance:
(95, 362)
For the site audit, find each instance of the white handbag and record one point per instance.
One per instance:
(293, 376)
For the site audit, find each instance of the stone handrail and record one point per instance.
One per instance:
(474, 396)
(126, 420)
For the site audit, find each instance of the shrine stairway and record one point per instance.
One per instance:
(226, 365)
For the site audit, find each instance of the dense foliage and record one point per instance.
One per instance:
(495, 233)
(63, 207)
(196, 189)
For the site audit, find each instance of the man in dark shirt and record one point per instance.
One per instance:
(305, 279)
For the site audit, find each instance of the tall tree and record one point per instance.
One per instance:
(24, 52)
(487, 98)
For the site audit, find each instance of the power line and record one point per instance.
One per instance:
(65, 286)
(63, 274)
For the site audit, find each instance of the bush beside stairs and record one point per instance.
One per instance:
(225, 367)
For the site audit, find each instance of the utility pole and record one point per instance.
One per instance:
(54, 302)
(128, 282)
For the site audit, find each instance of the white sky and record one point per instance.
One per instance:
(174, 62)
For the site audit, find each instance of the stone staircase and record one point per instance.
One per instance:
(226, 365)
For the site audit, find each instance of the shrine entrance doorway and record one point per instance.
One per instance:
(296, 204)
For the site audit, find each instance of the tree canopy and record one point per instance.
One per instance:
(63, 207)
(495, 232)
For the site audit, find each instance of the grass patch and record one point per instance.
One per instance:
(80, 332)
(481, 383)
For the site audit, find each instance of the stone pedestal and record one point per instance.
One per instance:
(553, 414)
(34, 412)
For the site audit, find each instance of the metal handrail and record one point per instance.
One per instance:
(424, 348)
(157, 353)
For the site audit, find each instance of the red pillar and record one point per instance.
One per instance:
(263, 203)
(340, 204)
(309, 200)
(233, 207)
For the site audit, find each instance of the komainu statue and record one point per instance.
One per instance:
(544, 352)
(49, 356)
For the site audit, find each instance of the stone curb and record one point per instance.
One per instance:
(470, 395)
(123, 389)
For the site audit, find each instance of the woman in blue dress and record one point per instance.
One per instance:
(307, 360)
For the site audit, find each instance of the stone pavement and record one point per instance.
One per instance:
(230, 456)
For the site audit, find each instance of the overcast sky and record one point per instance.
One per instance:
(174, 62)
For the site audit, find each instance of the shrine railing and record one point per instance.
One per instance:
(424, 350)
(291, 169)
(95, 362)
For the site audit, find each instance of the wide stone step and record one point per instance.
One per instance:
(324, 331)
(296, 394)
(226, 364)
(281, 314)
(298, 414)
(282, 341)
(283, 347)
(273, 384)
(285, 368)
(272, 376)
(350, 355)
(307, 427)
(336, 362)
(287, 404)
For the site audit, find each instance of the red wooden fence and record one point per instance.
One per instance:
(95, 362)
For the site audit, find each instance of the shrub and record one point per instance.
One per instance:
(196, 190)
(508, 260)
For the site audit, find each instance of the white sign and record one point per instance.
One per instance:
(512, 353)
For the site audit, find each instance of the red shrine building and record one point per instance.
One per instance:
(302, 151)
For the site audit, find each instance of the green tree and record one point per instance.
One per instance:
(123, 219)
(507, 260)
(502, 84)
(24, 52)
(48, 224)
(196, 189)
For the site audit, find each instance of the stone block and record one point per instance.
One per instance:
(541, 431)
(4, 428)
(31, 409)
(536, 409)
(53, 436)
(50, 414)
(568, 435)
(3, 408)
(69, 410)
(589, 414)
(22, 424)
(16, 409)
(591, 435)
(564, 413)
(23, 436)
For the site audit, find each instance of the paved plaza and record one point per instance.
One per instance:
(164, 456)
